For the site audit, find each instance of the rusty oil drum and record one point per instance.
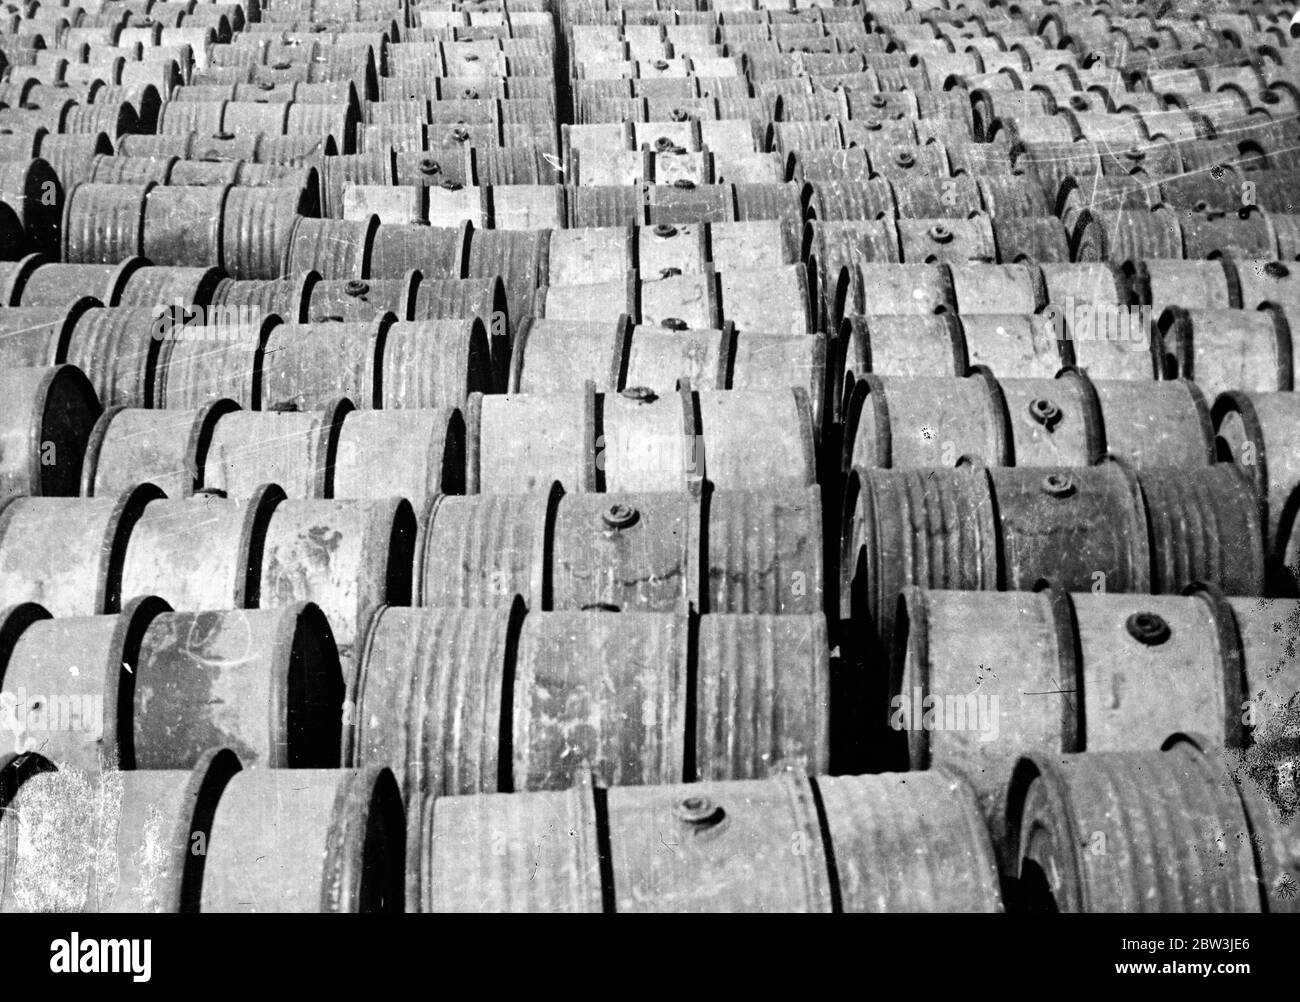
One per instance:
(68, 813)
(439, 730)
(722, 551)
(1130, 804)
(1060, 671)
(741, 846)
(150, 679)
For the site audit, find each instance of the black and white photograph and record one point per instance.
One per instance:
(536, 459)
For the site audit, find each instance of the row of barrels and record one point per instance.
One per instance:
(250, 60)
(907, 20)
(974, 288)
(981, 29)
(837, 252)
(258, 361)
(250, 209)
(976, 46)
(652, 99)
(970, 528)
(1054, 110)
(1219, 96)
(191, 59)
(279, 55)
(1087, 832)
(887, 420)
(594, 439)
(967, 218)
(453, 700)
(251, 231)
(859, 63)
(811, 84)
(900, 19)
(935, 177)
(482, 121)
(865, 383)
(422, 690)
(976, 78)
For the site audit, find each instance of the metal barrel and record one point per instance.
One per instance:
(96, 825)
(118, 350)
(31, 189)
(158, 286)
(983, 287)
(413, 454)
(1083, 527)
(347, 556)
(517, 852)
(130, 445)
(873, 824)
(932, 528)
(294, 449)
(1204, 525)
(335, 248)
(288, 297)
(480, 551)
(357, 300)
(1021, 344)
(256, 228)
(438, 252)
(71, 681)
(1228, 349)
(337, 172)
(645, 442)
(1118, 235)
(224, 357)
(429, 693)
(104, 223)
(1166, 424)
(747, 846)
(1089, 833)
(912, 421)
(306, 840)
(434, 363)
(905, 346)
(629, 551)
(161, 556)
(44, 427)
(600, 689)
(309, 365)
(40, 335)
(762, 695)
(1251, 431)
(764, 550)
(206, 679)
(67, 554)
(900, 289)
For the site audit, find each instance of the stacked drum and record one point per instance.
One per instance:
(633, 455)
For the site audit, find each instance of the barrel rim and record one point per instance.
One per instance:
(364, 797)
